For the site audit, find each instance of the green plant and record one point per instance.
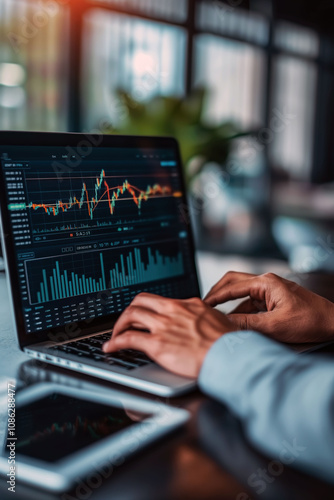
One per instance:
(182, 118)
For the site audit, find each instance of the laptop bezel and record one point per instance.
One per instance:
(82, 328)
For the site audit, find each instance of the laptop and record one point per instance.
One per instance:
(88, 222)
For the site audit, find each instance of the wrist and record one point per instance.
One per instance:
(202, 354)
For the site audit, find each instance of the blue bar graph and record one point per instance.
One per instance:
(129, 268)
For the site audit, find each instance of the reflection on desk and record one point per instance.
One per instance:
(221, 435)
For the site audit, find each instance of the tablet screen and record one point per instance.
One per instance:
(58, 425)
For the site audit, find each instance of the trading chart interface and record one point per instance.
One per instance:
(93, 230)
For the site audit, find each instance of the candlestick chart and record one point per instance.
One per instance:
(95, 201)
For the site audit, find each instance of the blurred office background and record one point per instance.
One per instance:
(267, 67)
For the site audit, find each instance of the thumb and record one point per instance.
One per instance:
(260, 322)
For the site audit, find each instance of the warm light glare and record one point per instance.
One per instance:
(143, 63)
(11, 75)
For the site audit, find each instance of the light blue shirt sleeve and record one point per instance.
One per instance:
(285, 401)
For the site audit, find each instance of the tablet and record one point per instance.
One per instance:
(60, 434)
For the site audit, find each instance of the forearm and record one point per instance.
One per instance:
(279, 396)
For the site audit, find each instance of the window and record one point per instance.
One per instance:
(296, 39)
(143, 58)
(293, 92)
(33, 65)
(172, 10)
(226, 20)
(234, 73)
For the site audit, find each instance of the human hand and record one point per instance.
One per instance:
(180, 332)
(276, 307)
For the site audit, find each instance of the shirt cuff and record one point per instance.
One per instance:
(228, 367)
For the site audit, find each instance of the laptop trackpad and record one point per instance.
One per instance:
(161, 376)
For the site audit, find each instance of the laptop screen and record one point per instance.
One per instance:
(91, 227)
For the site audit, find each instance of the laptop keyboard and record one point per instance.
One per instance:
(91, 348)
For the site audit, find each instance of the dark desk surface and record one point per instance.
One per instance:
(208, 459)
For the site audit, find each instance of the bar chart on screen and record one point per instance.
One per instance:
(57, 278)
